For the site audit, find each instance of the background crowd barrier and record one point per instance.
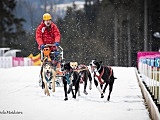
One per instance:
(149, 68)
(7, 62)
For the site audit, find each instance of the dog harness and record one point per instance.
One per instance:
(48, 77)
(68, 75)
(100, 76)
(68, 78)
(110, 71)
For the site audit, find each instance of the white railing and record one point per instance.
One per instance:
(7, 62)
(149, 68)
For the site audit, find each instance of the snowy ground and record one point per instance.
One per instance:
(20, 94)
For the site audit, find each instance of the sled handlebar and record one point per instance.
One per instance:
(50, 45)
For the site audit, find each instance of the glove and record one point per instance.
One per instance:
(42, 46)
(56, 53)
(56, 43)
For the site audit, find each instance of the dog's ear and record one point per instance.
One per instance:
(94, 61)
(44, 64)
(100, 62)
(76, 64)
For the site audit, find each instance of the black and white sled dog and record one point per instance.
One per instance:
(48, 76)
(103, 75)
(85, 75)
(71, 77)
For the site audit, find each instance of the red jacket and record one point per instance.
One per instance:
(47, 36)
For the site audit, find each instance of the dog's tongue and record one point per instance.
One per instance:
(92, 68)
(48, 74)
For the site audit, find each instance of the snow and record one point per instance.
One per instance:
(21, 94)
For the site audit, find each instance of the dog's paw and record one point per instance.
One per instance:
(74, 96)
(68, 91)
(85, 92)
(108, 98)
(46, 92)
(53, 90)
(66, 98)
(102, 96)
(79, 93)
(90, 86)
(70, 88)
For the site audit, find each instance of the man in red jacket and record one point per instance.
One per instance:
(48, 33)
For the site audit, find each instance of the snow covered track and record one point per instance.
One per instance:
(22, 99)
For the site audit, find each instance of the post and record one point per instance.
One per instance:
(145, 26)
(115, 39)
(129, 41)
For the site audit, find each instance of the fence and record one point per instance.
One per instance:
(7, 62)
(149, 68)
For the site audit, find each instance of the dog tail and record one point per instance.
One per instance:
(115, 78)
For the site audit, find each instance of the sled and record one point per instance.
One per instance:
(56, 60)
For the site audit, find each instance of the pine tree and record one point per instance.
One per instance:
(11, 30)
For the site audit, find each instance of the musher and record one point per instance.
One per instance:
(48, 33)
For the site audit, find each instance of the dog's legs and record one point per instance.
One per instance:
(72, 88)
(101, 85)
(69, 89)
(46, 91)
(110, 87)
(79, 91)
(90, 86)
(42, 77)
(73, 84)
(65, 88)
(104, 89)
(90, 79)
(85, 85)
(42, 84)
(77, 86)
(73, 95)
(85, 82)
(108, 81)
(110, 90)
(98, 87)
(53, 85)
(53, 80)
